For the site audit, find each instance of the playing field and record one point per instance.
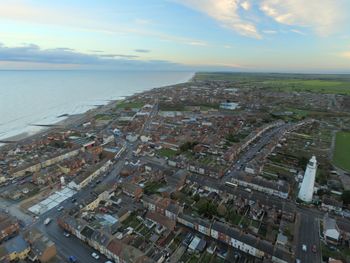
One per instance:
(341, 156)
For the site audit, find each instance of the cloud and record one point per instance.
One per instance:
(31, 53)
(142, 50)
(271, 32)
(322, 16)
(246, 5)
(82, 21)
(298, 32)
(345, 54)
(117, 56)
(227, 13)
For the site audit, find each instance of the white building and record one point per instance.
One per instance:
(307, 186)
(228, 105)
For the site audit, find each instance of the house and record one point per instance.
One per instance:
(132, 190)
(9, 227)
(14, 249)
(331, 231)
(202, 226)
(123, 253)
(282, 240)
(197, 244)
(161, 220)
(42, 249)
(331, 205)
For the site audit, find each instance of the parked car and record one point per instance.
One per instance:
(72, 259)
(314, 248)
(95, 255)
(304, 247)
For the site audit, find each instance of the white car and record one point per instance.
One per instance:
(95, 255)
(304, 248)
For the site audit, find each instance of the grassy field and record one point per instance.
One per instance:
(130, 105)
(341, 156)
(300, 85)
(328, 84)
(167, 152)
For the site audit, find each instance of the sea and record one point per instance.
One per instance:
(29, 98)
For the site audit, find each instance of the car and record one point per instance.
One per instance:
(74, 200)
(95, 255)
(47, 221)
(72, 259)
(314, 248)
(108, 261)
(60, 208)
(297, 261)
(66, 234)
(304, 247)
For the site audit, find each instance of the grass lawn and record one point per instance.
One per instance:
(103, 117)
(341, 156)
(341, 254)
(129, 105)
(152, 187)
(131, 221)
(206, 258)
(167, 152)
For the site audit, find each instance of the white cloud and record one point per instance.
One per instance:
(271, 32)
(298, 32)
(345, 54)
(246, 5)
(227, 13)
(322, 16)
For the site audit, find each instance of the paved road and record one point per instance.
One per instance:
(69, 246)
(309, 235)
(252, 150)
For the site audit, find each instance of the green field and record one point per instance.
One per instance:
(341, 156)
(300, 85)
(130, 105)
(164, 152)
(328, 84)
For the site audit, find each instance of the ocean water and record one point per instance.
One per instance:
(40, 97)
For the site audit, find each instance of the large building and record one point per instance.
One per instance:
(307, 186)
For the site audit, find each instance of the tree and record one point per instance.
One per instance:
(221, 210)
(346, 197)
(211, 210)
(196, 197)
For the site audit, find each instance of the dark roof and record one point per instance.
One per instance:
(87, 232)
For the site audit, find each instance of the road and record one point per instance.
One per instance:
(308, 234)
(73, 246)
(251, 151)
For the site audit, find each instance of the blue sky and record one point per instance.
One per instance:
(240, 35)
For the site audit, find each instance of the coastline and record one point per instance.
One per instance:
(69, 120)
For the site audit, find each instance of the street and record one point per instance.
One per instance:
(308, 235)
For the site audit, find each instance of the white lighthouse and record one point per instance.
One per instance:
(307, 186)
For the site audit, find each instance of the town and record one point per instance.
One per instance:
(223, 168)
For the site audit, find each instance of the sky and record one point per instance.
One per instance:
(202, 35)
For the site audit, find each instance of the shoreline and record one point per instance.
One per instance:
(25, 137)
